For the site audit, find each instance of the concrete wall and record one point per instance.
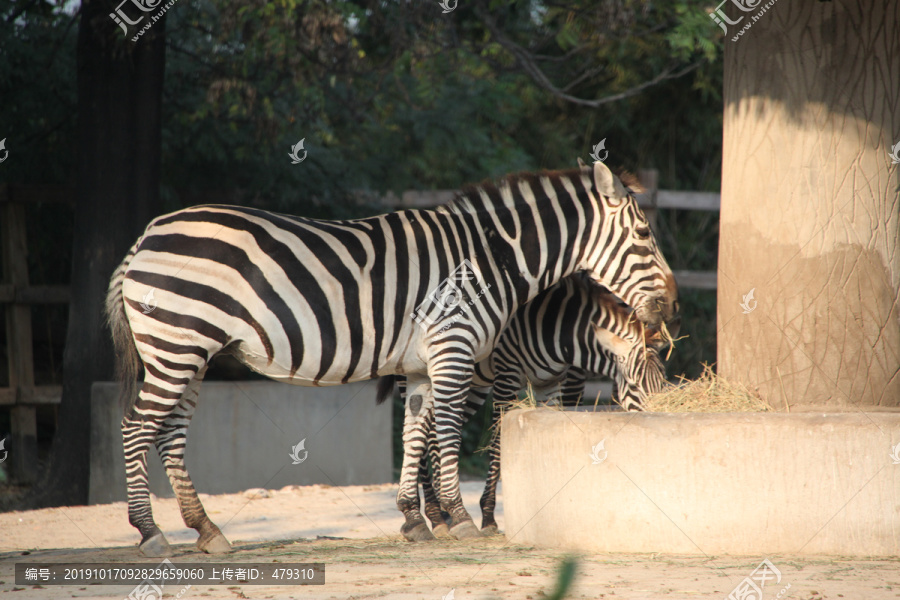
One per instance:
(739, 484)
(242, 434)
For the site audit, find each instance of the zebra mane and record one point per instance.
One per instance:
(630, 181)
(469, 197)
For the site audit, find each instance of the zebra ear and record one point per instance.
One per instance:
(611, 341)
(607, 183)
(581, 164)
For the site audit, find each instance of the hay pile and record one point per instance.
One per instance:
(709, 393)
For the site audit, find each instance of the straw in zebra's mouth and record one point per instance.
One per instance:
(667, 338)
(659, 336)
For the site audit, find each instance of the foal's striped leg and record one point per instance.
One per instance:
(572, 387)
(488, 501)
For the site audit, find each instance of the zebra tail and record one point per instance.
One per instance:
(385, 388)
(127, 360)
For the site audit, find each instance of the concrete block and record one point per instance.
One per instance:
(242, 437)
(727, 483)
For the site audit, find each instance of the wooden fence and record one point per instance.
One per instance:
(17, 296)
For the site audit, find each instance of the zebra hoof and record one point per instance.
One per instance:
(156, 546)
(465, 530)
(417, 533)
(491, 529)
(214, 544)
(442, 532)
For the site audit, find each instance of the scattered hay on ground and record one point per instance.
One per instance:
(708, 393)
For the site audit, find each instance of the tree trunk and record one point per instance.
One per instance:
(810, 215)
(119, 132)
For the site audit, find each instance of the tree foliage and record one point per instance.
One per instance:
(387, 95)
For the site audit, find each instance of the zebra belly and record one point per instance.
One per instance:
(258, 361)
(546, 378)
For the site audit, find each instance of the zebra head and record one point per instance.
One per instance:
(633, 348)
(639, 374)
(622, 254)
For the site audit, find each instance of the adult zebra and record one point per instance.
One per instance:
(567, 331)
(328, 302)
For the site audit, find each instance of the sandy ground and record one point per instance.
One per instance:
(370, 560)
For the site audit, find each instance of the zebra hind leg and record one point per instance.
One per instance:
(171, 443)
(137, 435)
(141, 427)
(165, 383)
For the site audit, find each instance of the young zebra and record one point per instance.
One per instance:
(572, 329)
(313, 302)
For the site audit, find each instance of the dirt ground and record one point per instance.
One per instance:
(370, 560)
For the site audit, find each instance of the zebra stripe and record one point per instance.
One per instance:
(313, 302)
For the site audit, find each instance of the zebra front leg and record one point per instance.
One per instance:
(573, 387)
(488, 501)
(439, 527)
(418, 404)
(450, 384)
(171, 443)
(433, 511)
(477, 398)
(505, 392)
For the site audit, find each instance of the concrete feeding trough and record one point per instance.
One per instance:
(702, 483)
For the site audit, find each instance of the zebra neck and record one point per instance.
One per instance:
(533, 230)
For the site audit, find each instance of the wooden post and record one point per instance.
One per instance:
(23, 449)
